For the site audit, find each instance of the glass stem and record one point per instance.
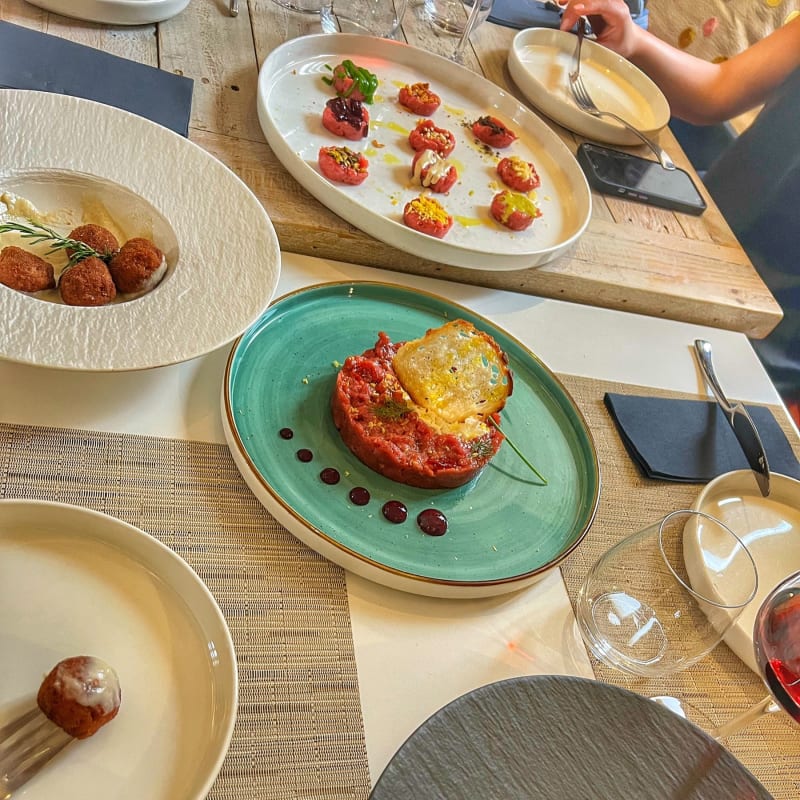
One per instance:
(468, 27)
(765, 706)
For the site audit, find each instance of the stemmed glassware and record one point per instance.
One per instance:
(776, 640)
(477, 11)
(455, 18)
(664, 597)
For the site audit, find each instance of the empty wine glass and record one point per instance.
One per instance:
(776, 640)
(664, 597)
(368, 17)
(456, 18)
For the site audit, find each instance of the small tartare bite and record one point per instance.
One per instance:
(493, 132)
(514, 210)
(427, 136)
(427, 215)
(343, 165)
(353, 82)
(419, 99)
(518, 174)
(346, 118)
(433, 172)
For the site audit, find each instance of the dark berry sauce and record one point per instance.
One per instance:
(359, 496)
(395, 511)
(330, 476)
(286, 433)
(305, 455)
(432, 522)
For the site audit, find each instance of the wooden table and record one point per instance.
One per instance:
(632, 257)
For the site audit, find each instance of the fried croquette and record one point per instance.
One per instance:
(137, 267)
(97, 237)
(80, 695)
(25, 271)
(88, 283)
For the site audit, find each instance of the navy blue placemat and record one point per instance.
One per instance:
(525, 14)
(33, 60)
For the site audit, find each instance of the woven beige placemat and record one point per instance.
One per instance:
(720, 686)
(299, 731)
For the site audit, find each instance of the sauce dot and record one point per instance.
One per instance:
(286, 433)
(305, 455)
(395, 511)
(432, 522)
(359, 496)
(329, 475)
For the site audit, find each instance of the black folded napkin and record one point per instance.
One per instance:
(525, 14)
(691, 440)
(33, 60)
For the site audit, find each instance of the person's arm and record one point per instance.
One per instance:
(697, 91)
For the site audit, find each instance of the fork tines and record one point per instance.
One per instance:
(27, 743)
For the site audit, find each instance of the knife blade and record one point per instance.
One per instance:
(738, 417)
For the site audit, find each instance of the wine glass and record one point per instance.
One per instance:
(664, 597)
(480, 9)
(776, 640)
(368, 17)
(448, 16)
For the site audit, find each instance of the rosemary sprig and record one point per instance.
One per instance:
(519, 452)
(37, 233)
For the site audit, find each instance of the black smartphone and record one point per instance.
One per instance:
(624, 175)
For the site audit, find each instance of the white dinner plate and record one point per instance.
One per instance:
(540, 60)
(78, 161)
(77, 582)
(292, 97)
(769, 526)
(115, 12)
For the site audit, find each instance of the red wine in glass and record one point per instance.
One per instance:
(776, 637)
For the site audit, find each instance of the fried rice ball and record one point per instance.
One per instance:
(137, 267)
(80, 695)
(25, 271)
(97, 237)
(88, 283)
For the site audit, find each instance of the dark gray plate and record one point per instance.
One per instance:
(561, 738)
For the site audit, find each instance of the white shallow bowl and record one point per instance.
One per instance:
(77, 582)
(292, 96)
(769, 526)
(539, 62)
(115, 12)
(223, 259)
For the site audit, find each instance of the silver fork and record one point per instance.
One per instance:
(27, 743)
(583, 24)
(584, 101)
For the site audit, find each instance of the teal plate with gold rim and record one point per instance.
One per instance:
(505, 528)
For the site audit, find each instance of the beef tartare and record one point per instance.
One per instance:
(441, 439)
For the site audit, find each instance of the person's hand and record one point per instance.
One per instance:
(611, 22)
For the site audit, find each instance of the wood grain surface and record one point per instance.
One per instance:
(632, 257)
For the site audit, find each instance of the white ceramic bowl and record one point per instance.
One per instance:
(116, 12)
(539, 62)
(769, 526)
(223, 258)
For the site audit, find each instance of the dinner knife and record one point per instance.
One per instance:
(737, 416)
